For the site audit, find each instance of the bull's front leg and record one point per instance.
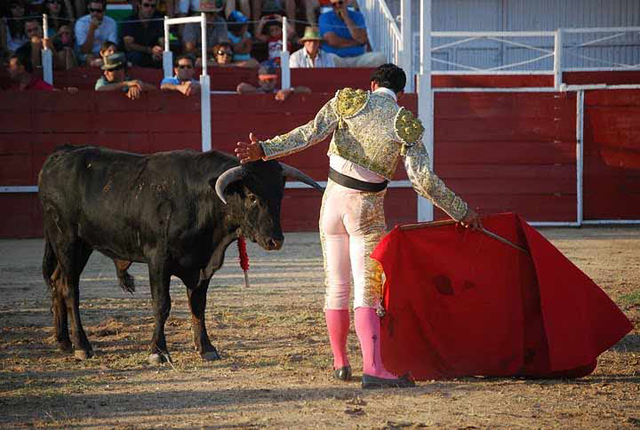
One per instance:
(197, 303)
(160, 279)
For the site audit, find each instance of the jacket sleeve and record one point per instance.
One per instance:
(306, 135)
(426, 183)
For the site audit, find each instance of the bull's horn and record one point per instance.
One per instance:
(293, 173)
(229, 176)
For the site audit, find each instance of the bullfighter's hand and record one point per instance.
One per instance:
(251, 151)
(471, 219)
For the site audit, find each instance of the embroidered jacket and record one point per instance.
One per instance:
(372, 131)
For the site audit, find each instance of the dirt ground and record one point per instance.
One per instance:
(276, 361)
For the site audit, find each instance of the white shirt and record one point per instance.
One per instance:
(108, 30)
(351, 169)
(301, 59)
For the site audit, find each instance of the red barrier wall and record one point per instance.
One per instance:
(612, 154)
(509, 151)
(500, 151)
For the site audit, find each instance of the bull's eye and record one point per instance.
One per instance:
(252, 199)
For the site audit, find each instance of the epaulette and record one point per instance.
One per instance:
(408, 128)
(351, 101)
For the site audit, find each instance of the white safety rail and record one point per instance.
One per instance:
(205, 82)
(601, 49)
(534, 52)
(497, 52)
(383, 32)
(47, 55)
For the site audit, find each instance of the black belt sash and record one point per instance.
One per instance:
(355, 184)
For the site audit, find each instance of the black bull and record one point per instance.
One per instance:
(166, 210)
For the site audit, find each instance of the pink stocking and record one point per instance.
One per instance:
(368, 330)
(338, 326)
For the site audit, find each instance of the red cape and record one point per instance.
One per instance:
(461, 303)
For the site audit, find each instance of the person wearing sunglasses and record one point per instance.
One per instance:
(143, 35)
(345, 35)
(94, 29)
(183, 81)
(116, 79)
(370, 134)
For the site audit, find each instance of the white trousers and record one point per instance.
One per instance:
(351, 225)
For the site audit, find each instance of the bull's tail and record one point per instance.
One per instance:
(49, 262)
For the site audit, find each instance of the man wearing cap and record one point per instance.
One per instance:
(267, 81)
(115, 78)
(217, 30)
(370, 134)
(310, 55)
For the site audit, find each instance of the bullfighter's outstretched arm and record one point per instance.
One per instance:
(316, 130)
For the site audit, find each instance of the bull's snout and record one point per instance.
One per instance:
(274, 244)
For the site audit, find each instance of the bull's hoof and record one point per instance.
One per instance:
(128, 284)
(210, 356)
(65, 346)
(156, 359)
(82, 355)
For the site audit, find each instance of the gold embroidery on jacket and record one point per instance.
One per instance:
(408, 127)
(351, 101)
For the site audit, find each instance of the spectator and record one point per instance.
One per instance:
(240, 37)
(143, 38)
(225, 57)
(267, 80)
(37, 42)
(65, 47)
(310, 55)
(115, 78)
(107, 48)
(261, 8)
(345, 35)
(184, 7)
(183, 81)
(94, 29)
(57, 16)
(216, 32)
(15, 35)
(75, 8)
(270, 31)
(21, 72)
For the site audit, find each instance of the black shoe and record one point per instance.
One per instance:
(343, 373)
(404, 381)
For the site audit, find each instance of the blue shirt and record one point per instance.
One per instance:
(237, 39)
(174, 81)
(329, 22)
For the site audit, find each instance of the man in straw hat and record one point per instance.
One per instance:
(310, 55)
(370, 134)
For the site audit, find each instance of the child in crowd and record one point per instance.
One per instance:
(270, 31)
(107, 48)
(239, 36)
(65, 47)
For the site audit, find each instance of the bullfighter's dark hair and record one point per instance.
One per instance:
(390, 76)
